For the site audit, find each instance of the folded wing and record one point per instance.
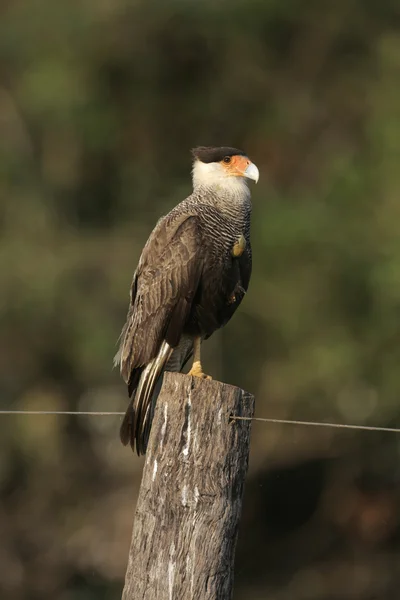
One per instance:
(163, 289)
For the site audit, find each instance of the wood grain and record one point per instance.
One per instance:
(188, 511)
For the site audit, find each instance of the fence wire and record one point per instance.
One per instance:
(233, 417)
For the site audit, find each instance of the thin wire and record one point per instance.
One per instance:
(60, 412)
(316, 424)
(233, 418)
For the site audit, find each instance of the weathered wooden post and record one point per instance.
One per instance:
(188, 511)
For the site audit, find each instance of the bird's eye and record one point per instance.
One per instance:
(227, 159)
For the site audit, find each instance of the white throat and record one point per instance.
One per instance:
(212, 175)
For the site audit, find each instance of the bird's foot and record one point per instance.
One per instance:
(236, 295)
(239, 247)
(197, 371)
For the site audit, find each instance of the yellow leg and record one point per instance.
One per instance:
(239, 247)
(197, 370)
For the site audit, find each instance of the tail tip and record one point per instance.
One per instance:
(126, 429)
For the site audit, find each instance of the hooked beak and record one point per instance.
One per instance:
(252, 172)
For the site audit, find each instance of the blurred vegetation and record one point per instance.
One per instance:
(100, 102)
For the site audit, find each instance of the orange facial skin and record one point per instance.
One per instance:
(236, 165)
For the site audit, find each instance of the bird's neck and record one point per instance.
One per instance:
(231, 197)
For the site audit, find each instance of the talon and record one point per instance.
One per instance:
(197, 371)
(232, 299)
(239, 247)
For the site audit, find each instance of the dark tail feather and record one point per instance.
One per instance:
(125, 432)
(135, 427)
(127, 425)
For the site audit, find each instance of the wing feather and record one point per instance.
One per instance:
(163, 288)
(165, 284)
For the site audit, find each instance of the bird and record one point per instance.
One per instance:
(191, 277)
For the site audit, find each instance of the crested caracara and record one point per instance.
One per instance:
(192, 275)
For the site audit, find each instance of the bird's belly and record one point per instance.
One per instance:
(215, 302)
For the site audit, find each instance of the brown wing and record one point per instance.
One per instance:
(241, 274)
(244, 264)
(162, 292)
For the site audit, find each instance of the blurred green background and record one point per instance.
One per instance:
(100, 102)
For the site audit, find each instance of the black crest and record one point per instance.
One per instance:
(209, 154)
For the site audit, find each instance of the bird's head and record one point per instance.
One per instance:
(224, 167)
